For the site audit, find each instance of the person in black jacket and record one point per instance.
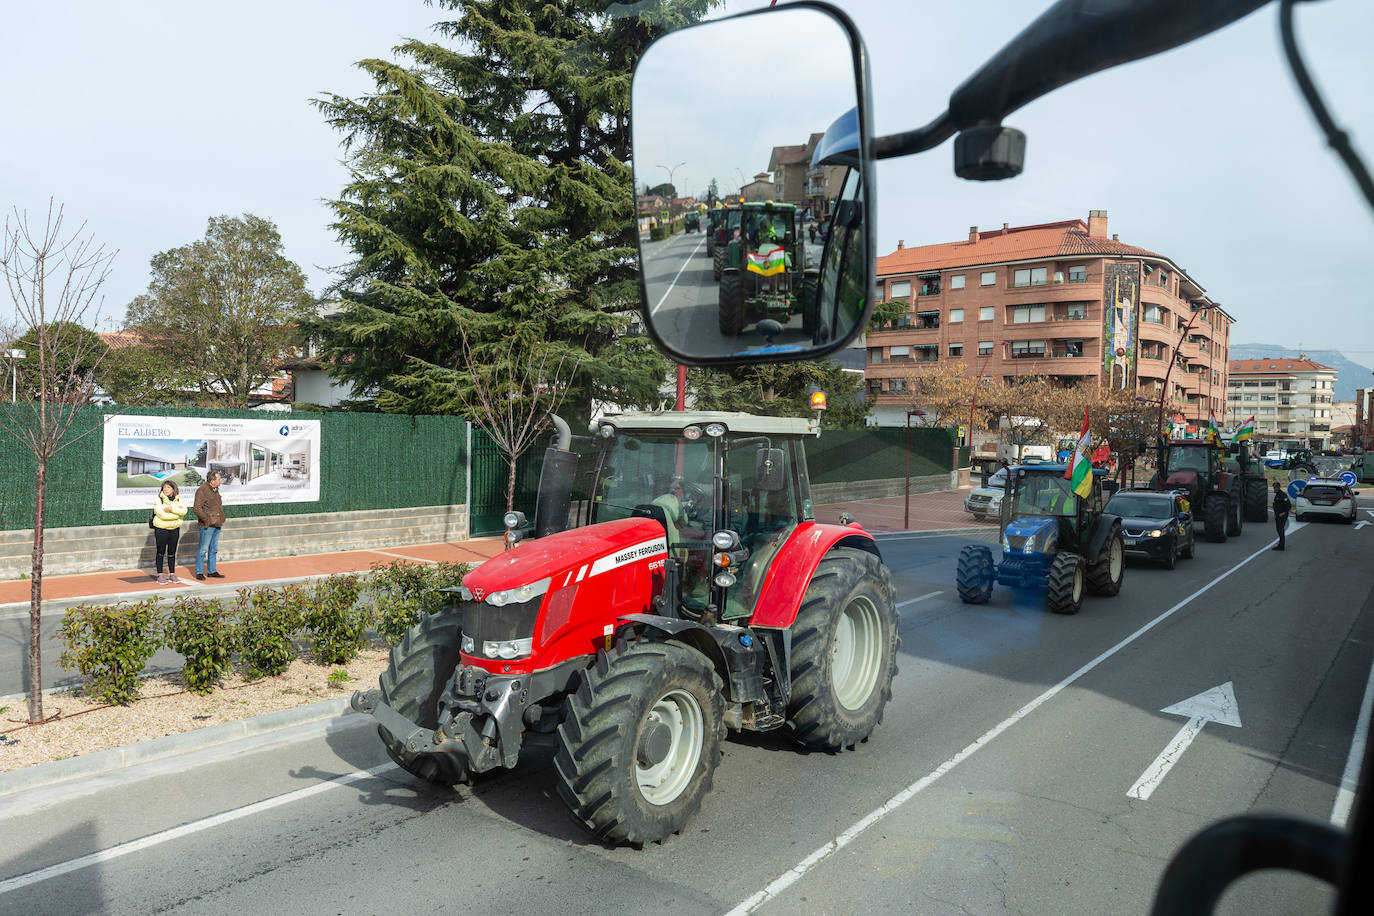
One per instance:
(1282, 506)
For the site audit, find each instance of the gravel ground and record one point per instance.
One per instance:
(82, 725)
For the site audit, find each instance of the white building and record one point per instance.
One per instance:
(1289, 398)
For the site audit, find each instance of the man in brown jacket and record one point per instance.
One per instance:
(209, 511)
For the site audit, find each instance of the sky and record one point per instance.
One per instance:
(146, 118)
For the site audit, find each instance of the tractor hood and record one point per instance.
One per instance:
(1031, 534)
(568, 556)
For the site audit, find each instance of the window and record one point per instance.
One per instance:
(925, 353)
(956, 316)
(1248, 397)
(987, 313)
(927, 320)
(875, 386)
(1266, 397)
(1024, 314)
(896, 385)
(1153, 315)
(930, 287)
(989, 278)
(1031, 276)
(875, 355)
(1076, 312)
(1073, 348)
(1027, 349)
(956, 281)
(900, 289)
(956, 350)
(894, 353)
(984, 348)
(1078, 274)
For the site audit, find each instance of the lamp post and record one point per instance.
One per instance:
(14, 356)
(670, 172)
(1173, 358)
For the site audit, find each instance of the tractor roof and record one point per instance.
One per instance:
(676, 421)
(1058, 469)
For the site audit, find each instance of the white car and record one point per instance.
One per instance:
(986, 501)
(1326, 496)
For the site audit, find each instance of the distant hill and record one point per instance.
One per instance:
(1352, 374)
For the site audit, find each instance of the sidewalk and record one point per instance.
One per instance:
(938, 511)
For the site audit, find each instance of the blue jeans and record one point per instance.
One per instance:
(208, 547)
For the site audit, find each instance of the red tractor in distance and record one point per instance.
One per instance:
(1223, 497)
(691, 591)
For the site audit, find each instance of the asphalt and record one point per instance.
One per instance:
(941, 511)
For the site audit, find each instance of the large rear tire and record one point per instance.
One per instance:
(718, 261)
(844, 651)
(810, 304)
(731, 305)
(416, 674)
(974, 574)
(1214, 506)
(1234, 515)
(1064, 593)
(641, 742)
(1105, 575)
(1256, 499)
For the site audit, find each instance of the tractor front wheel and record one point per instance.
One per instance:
(731, 305)
(1235, 516)
(1064, 594)
(844, 651)
(416, 674)
(1256, 499)
(641, 742)
(974, 574)
(1214, 510)
(1104, 576)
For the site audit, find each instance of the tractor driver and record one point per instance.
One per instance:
(1055, 497)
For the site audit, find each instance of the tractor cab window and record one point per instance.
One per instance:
(1044, 494)
(1188, 459)
(764, 520)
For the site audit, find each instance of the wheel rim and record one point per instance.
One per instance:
(1114, 563)
(1078, 583)
(857, 654)
(678, 715)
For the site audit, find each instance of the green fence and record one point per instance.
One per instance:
(847, 455)
(367, 461)
(490, 477)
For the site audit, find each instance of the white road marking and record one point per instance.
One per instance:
(1345, 796)
(1360, 524)
(902, 604)
(794, 874)
(157, 839)
(1215, 705)
(686, 261)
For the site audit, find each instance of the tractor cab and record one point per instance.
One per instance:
(1190, 464)
(1041, 509)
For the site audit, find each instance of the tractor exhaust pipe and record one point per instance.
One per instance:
(555, 483)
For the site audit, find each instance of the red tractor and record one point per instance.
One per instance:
(1221, 496)
(691, 591)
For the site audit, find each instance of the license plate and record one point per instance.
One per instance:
(1130, 540)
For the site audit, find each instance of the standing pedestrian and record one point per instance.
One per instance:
(1282, 506)
(812, 230)
(210, 517)
(168, 511)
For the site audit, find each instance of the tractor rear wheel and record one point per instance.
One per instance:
(1234, 515)
(1214, 508)
(641, 742)
(974, 575)
(416, 674)
(1104, 576)
(718, 261)
(844, 651)
(1256, 499)
(810, 304)
(1064, 594)
(731, 305)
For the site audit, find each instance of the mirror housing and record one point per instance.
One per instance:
(768, 470)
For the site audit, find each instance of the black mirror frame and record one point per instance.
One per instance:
(867, 186)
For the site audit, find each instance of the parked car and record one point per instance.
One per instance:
(1155, 525)
(1326, 496)
(985, 501)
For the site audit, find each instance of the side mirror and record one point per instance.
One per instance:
(1185, 516)
(785, 173)
(768, 470)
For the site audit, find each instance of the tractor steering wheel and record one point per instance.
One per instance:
(693, 499)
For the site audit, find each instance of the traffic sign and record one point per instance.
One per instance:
(1348, 478)
(1295, 488)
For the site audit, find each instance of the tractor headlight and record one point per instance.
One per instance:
(691, 433)
(514, 519)
(469, 645)
(1006, 543)
(519, 595)
(508, 648)
(724, 579)
(725, 539)
(1155, 533)
(715, 430)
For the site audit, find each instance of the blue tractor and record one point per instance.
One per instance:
(1052, 539)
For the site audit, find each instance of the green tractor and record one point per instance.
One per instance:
(691, 222)
(1052, 539)
(722, 225)
(764, 273)
(1254, 485)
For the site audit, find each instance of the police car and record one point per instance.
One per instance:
(1326, 496)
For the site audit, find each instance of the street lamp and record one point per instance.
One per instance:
(670, 172)
(1173, 358)
(14, 356)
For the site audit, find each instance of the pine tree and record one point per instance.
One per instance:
(491, 208)
(784, 390)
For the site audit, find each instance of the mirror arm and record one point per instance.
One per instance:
(915, 141)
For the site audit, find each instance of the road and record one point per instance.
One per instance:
(1006, 776)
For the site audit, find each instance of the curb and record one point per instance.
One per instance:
(118, 758)
(20, 609)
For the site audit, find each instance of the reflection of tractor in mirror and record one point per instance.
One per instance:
(1052, 540)
(691, 221)
(685, 591)
(725, 222)
(1219, 495)
(764, 271)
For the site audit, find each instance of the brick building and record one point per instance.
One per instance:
(1062, 300)
(1290, 398)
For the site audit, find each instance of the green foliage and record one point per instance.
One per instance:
(140, 374)
(658, 233)
(338, 677)
(220, 311)
(109, 646)
(267, 621)
(73, 352)
(203, 631)
(784, 390)
(335, 621)
(404, 592)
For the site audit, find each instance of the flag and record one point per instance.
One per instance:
(766, 264)
(1213, 434)
(1246, 431)
(1080, 471)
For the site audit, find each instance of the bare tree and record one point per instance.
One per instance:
(53, 280)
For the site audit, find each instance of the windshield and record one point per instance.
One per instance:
(1043, 494)
(1317, 491)
(1187, 458)
(1140, 506)
(669, 472)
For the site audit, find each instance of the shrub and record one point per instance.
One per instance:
(202, 630)
(109, 645)
(403, 592)
(658, 233)
(268, 620)
(335, 620)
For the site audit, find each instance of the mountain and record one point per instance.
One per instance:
(1352, 374)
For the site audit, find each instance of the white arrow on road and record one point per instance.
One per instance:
(1215, 705)
(1360, 524)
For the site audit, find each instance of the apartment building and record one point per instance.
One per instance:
(1063, 300)
(1290, 398)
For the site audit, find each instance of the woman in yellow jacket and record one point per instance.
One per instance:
(168, 512)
